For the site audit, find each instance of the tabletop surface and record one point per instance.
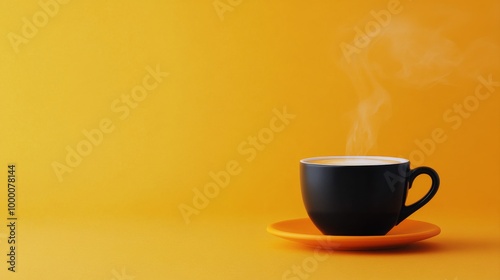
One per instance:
(232, 248)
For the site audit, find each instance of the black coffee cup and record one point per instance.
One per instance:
(360, 195)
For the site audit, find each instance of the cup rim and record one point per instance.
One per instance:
(394, 160)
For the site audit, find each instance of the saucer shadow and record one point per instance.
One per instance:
(423, 247)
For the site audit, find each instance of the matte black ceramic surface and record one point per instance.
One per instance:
(360, 199)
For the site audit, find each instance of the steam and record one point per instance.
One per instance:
(374, 107)
(427, 57)
(412, 55)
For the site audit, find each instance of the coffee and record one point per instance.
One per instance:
(354, 160)
(360, 195)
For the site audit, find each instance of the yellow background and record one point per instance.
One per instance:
(118, 210)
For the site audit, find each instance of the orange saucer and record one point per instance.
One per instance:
(304, 231)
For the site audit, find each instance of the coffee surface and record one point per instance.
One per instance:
(354, 161)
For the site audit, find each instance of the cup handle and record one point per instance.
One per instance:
(408, 210)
